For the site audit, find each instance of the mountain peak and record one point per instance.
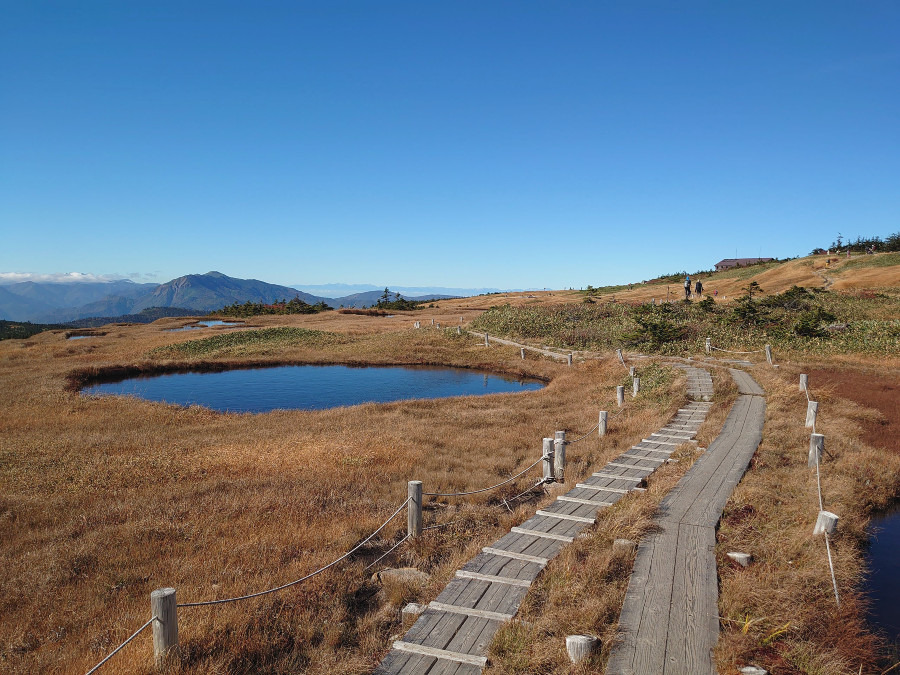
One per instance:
(215, 275)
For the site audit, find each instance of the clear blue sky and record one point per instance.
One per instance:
(456, 143)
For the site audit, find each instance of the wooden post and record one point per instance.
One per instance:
(620, 395)
(825, 523)
(604, 416)
(458, 330)
(569, 359)
(812, 409)
(804, 382)
(417, 324)
(769, 354)
(432, 322)
(621, 358)
(414, 513)
(164, 609)
(637, 387)
(487, 341)
(559, 458)
(522, 351)
(709, 345)
(547, 456)
(816, 448)
(580, 647)
(439, 325)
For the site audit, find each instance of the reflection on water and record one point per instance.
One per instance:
(883, 584)
(311, 387)
(203, 324)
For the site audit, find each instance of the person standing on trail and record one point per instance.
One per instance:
(698, 289)
(687, 287)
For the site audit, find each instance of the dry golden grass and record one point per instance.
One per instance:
(780, 613)
(105, 499)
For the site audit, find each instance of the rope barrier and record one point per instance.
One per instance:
(837, 596)
(475, 492)
(117, 649)
(387, 553)
(592, 430)
(512, 499)
(730, 351)
(308, 576)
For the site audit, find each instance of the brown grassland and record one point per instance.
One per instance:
(103, 499)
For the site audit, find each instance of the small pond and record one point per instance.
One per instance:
(204, 324)
(80, 337)
(311, 387)
(883, 583)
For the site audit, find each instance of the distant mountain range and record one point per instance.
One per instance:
(58, 302)
(345, 290)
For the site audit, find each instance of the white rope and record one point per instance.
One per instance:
(116, 650)
(475, 492)
(387, 553)
(512, 499)
(308, 576)
(592, 430)
(730, 351)
(837, 597)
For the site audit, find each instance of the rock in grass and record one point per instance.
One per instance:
(624, 546)
(410, 613)
(753, 670)
(742, 559)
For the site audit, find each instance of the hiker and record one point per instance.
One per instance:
(687, 288)
(698, 289)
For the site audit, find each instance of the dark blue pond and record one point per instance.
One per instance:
(311, 387)
(883, 584)
(203, 324)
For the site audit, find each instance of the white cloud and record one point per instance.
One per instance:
(59, 277)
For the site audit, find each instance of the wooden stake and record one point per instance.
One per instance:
(816, 448)
(487, 342)
(825, 523)
(559, 458)
(804, 382)
(812, 409)
(164, 609)
(621, 358)
(580, 647)
(569, 359)
(547, 456)
(769, 354)
(523, 353)
(620, 395)
(414, 513)
(637, 387)
(631, 371)
(709, 345)
(604, 416)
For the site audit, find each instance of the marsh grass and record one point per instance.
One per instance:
(106, 498)
(781, 612)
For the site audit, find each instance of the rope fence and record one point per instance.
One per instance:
(164, 607)
(767, 350)
(826, 522)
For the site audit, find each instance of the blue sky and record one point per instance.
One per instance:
(502, 144)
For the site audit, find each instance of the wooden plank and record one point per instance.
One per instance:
(546, 535)
(493, 578)
(469, 611)
(588, 486)
(517, 556)
(602, 474)
(577, 500)
(694, 613)
(480, 661)
(565, 516)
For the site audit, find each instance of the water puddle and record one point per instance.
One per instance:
(203, 324)
(883, 583)
(311, 387)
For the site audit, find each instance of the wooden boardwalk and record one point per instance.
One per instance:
(453, 633)
(669, 622)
